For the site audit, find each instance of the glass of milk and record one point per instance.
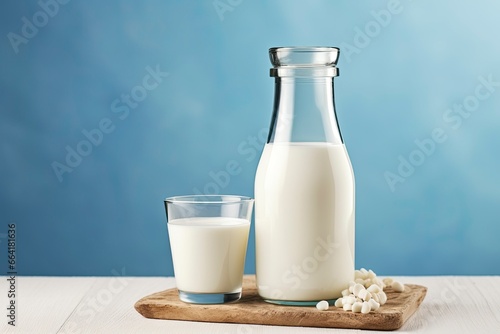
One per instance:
(208, 237)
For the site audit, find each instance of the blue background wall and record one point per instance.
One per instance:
(400, 76)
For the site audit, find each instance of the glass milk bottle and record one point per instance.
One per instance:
(304, 187)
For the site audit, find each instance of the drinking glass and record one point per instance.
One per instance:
(208, 237)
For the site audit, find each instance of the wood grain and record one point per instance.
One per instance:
(251, 309)
(43, 303)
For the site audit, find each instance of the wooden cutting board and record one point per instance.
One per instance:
(251, 309)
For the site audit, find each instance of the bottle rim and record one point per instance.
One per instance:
(305, 48)
(304, 61)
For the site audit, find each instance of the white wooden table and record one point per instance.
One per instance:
(454, 304)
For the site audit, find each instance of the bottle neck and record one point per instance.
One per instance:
(304, 111)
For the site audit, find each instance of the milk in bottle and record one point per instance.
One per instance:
(304, 186)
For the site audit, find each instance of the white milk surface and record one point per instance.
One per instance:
(304, 221)
(209, 253)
